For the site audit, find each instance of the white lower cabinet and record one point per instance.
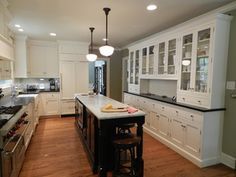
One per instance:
(50, 104)
(67, 107)
(194, 134)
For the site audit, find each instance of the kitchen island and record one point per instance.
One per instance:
(97, 130)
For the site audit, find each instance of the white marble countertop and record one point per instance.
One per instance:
(94, 103)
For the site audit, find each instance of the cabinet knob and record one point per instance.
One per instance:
(191, 116)
(177, 112)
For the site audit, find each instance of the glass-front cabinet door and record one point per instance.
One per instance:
(202, 60)
(186, 62)
(136, 77)
(144, 61)
(151, 60)
(131, 68)
(171, 67)
(161, 58)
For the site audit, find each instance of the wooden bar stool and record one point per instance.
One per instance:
(123, 131)
(129, 168)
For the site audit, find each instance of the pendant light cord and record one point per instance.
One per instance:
(91, 45)
(106, 10)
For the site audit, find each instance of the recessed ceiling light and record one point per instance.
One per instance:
(21, 30)
(53, 34)
(151, 7)
(17, 26)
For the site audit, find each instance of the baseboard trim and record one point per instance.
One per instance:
(228, 160)
(195, 160)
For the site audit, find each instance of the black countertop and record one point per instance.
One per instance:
(39, 91)
(170, 101)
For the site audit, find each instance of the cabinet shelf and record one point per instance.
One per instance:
(186, 72)
(171, 65)
(172, 50)
(187, 44)
(203, 56)
(204, 40)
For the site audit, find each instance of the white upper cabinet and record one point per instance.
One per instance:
(134, 63)
(43, 58)
(5, 70)
(21, 64)
(147, 58)
(203, 64)
(167, 58)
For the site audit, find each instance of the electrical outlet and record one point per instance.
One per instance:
(230, 85)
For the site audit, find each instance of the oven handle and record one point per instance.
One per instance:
(18, 141)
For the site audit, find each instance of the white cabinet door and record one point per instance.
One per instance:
(67, 70)
(67, 106)
(5, 70)
(52, 107)
(81, 77)
(193, 138)
(177, 131)
(37, 56)
(52, 65)
(164, 125)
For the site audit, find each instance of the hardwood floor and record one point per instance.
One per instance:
(56, 151)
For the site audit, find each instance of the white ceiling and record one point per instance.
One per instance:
(128, 20)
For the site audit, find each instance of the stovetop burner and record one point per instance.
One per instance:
(10, 109)
(6, 113)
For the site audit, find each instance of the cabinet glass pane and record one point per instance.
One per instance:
(136, 77)
(171, 56)
(186, 62)
(161, 58)
(151, 60)
(203, 45)
(131, 78)
(144, 60)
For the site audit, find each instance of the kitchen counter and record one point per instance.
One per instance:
(12, 101)
(99, 131)
(170, 101)
(95, 102)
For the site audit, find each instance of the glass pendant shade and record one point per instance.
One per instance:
(91, 56)
(106, 50)
(186, 62)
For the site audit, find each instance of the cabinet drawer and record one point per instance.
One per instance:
(52, 96)
(67, 107)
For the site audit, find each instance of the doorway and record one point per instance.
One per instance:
(98, 77)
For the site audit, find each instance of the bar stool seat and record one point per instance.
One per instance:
(124, 130)
(129, 168)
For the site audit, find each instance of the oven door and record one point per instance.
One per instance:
(79, 114)
(13, 156)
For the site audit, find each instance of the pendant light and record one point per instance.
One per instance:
(106, 50)
(91, 56)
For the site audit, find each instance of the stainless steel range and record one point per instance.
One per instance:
(14, 124)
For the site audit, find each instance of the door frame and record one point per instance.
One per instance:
(124, 59)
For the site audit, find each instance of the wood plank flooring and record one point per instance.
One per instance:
(56, 151)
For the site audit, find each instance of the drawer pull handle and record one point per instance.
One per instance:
(183, 126)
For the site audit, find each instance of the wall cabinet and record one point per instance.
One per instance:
(50, 103)
(194, 54)
(195, 135)
(134, 63)
(5, 70)
(148, 62)
(43, 60)
(203, 64)
(167, 58)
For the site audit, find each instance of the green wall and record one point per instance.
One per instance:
(116, 76)
(229, 133)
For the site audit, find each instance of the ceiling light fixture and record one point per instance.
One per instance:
(91, 56)
(21, 30)
(106, 50)
(17, 26)
(53, 34)
(151, 7)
